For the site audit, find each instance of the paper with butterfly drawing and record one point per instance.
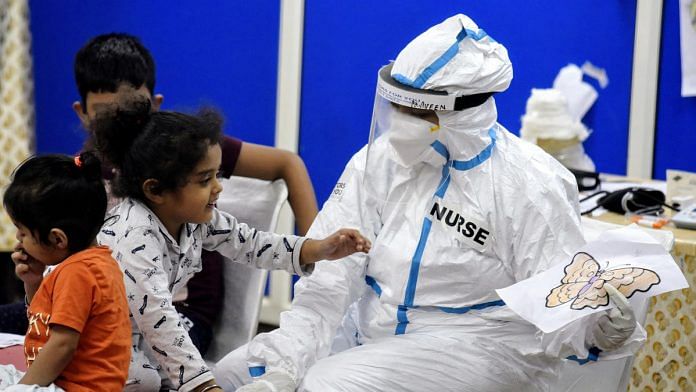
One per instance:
(627, 258)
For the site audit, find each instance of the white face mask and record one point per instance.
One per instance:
(410, 137)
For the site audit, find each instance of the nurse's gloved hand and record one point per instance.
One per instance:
(271, 382)
(617, 325)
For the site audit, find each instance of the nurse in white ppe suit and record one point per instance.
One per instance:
(458, 207)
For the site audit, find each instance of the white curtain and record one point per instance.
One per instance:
(16, 100)
(687, 16)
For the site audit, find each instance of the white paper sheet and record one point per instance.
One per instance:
(687, 21)
(580, 95)
(9, 339)
(627, 258)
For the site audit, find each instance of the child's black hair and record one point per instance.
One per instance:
(164, 146)
(109, 60)
(58, 191)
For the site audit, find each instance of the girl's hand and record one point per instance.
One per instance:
(338, 245)
(27, 268)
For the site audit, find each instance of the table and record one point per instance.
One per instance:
(13, 355)
(667, 362)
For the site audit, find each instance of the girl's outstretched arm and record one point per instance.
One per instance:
(338, 245)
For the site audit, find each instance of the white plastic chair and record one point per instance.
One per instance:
(607, 375)
(256, 203)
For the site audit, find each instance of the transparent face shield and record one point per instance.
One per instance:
(393, 99)
(404, 125)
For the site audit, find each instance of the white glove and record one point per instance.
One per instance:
(273, 381)
(615, 326)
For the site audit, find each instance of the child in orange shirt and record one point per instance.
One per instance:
(79, 332)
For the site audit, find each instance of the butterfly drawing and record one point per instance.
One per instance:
(584, 282)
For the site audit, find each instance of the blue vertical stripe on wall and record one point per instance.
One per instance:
(207, 52)
(675, 138)
(345, 43)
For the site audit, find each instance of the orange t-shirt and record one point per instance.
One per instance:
(85, 292)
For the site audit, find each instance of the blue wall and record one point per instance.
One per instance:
(675, 138)
(221, 53)
(347, 42)
(225, 53)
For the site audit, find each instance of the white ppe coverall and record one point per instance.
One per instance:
(474, 210)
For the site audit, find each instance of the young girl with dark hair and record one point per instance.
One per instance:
(109, 64)
(78, 316)
(167, 166)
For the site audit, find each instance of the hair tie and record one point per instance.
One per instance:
(78, 162)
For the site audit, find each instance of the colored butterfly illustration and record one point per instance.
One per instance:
(584, 282)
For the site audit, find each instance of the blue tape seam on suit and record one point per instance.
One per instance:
(427, 224)
(592, 356)
(257, 371)
(441, 61)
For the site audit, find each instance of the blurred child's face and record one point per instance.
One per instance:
(95, 101)
(44, 253)
(194, 202)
